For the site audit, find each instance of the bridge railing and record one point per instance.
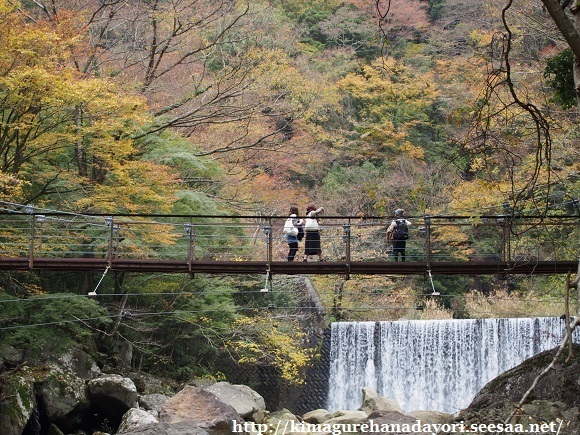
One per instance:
(255, 238)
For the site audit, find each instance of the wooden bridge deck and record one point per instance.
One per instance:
(290, 268)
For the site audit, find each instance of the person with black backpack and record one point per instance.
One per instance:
(398, 233)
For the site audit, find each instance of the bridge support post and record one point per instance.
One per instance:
(427, 220)
(32, 238)
(509, 242)
(268, 234)
(346, 238)
(110, 225)
(190, 231)
(507, 229)
(39, 220)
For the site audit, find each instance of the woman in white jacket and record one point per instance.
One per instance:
(291, 231)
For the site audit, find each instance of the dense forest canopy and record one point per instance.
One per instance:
(209, 107)
(228, 99)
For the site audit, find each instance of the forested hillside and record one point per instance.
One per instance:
(201, 107)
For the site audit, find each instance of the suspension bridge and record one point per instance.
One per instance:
(33, 239)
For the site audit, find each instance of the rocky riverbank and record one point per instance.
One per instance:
(75, 398)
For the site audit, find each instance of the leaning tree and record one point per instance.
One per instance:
(566, 16)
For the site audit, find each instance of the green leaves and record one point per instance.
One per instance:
(559, 73)
(59, 321)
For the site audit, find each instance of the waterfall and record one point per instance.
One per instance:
(437, 365)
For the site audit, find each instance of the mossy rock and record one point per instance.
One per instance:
(562, 384)
(61, 395)
(556, 397)
(17, 403)
(64, 397)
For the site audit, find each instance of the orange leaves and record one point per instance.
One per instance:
(406, 16)
(275, 191)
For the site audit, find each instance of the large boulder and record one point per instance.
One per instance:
(199, 405)
(346, 417)
(556, 396)
(560, 384)
(436, 417)
(372, 401)
(149, 384)
(192, 411)
(396, 422)
(53, 394)
(9, 356)
(317, 416)
(135, 418)
(278, 422)
(74, 360)
(80, 363)
(249, 404)
(113, 395)
(16, 403)
(63, 397)
(153, 403)
(164, 428)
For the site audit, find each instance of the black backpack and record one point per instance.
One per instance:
(401, 231)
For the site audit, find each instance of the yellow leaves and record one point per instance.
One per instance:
(389, 83)
(452, 237)
(476, 195)
(133, 187)
(391, 101)
(264, 340)
(477, 164)
(66, 129)
(8, 6)
(10, 187)
(479, 38)
(413, 151)
(27, 44)
(277, 74)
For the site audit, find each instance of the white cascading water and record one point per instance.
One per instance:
(436, 365)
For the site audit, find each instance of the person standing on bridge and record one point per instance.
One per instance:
(312, 245)
(292, 229)
(398, 233)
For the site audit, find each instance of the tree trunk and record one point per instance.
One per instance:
(80, 153)
(568, 28)
(576, 15)
(112, 332)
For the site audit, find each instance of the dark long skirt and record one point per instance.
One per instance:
(312, 245)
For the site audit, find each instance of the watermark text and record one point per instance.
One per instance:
(418, 427)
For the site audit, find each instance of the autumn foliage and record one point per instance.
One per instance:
(201, 107)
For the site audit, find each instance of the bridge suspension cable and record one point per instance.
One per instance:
(54, 240)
